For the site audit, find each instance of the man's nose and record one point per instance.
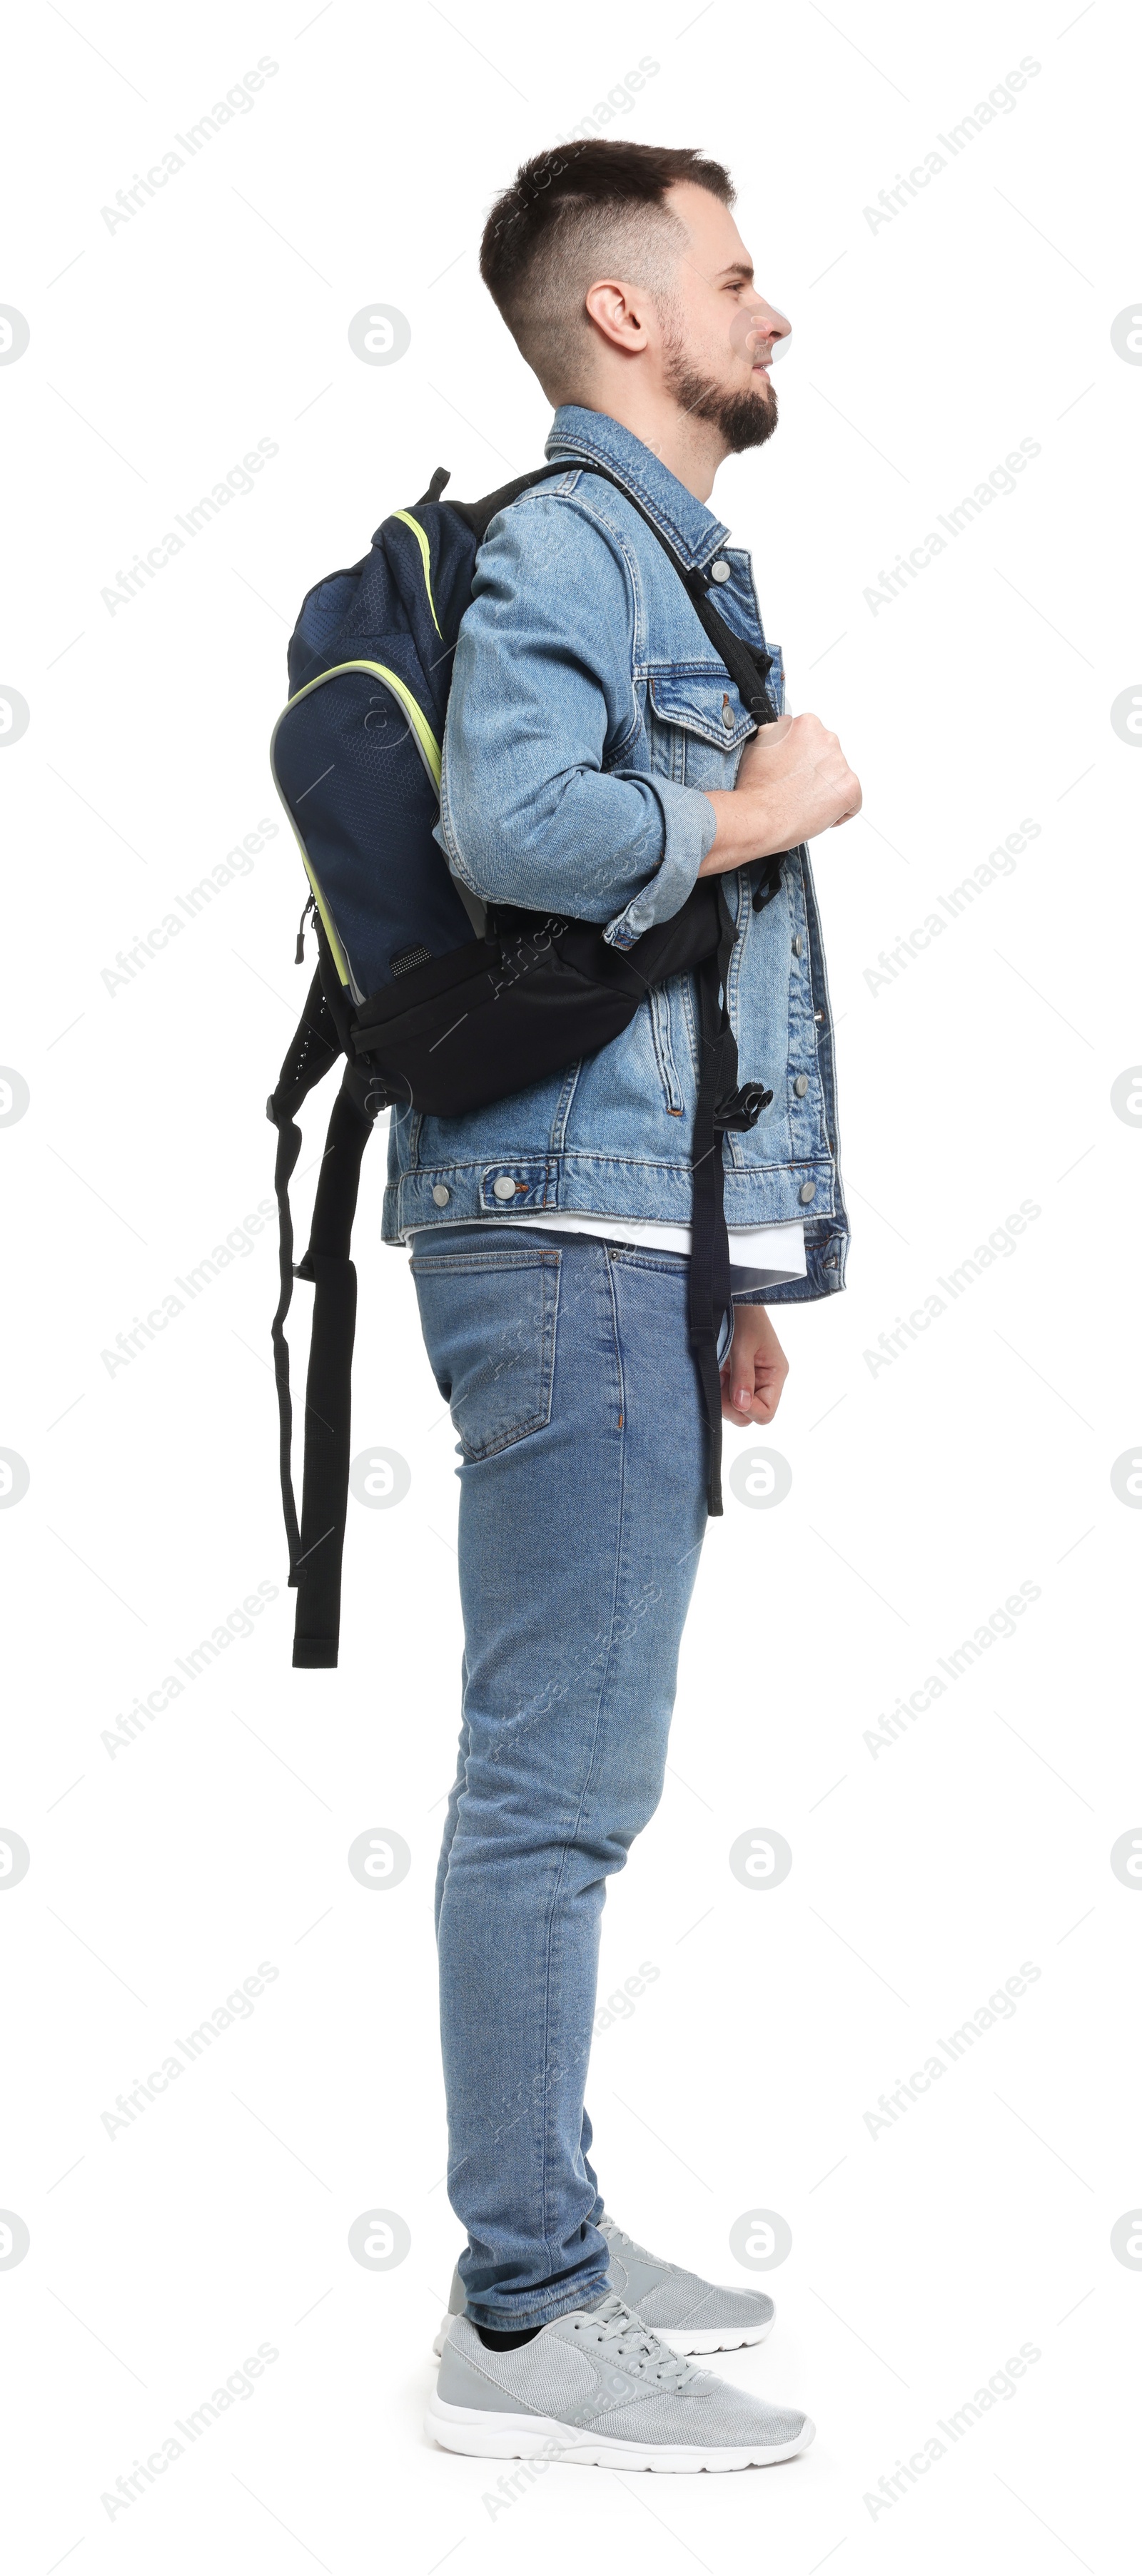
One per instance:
(768, 322)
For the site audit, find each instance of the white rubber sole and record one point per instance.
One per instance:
(682, 2343)
(711, 2338)
(483, 2436)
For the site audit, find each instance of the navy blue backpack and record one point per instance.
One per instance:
(438, 1002)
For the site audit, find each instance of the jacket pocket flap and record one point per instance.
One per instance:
(701, 700)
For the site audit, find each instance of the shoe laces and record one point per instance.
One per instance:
(624, 2341)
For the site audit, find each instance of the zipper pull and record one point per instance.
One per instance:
(299, 951)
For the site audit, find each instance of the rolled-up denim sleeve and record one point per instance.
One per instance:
(544, 802)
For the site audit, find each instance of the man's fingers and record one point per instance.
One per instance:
(744, 1401)
(754, 1369)
(741, 1374)
(739, 1394)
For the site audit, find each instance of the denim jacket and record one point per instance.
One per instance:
(587, 713)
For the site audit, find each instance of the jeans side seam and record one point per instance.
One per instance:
(452, 1811)
(619, 1537)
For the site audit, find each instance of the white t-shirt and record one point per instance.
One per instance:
(770, 1253)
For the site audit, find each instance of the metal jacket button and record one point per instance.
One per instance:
(727, 715)
(798, 944)
(440, 1195)
(503, 1188)
(807, 1191)
(720, 571)
(800, 1087)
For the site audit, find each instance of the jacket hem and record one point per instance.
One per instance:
(602, 1186)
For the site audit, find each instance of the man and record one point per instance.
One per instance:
(597, 761)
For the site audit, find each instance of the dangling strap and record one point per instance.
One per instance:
(316, 1566)
(315, 1548)
(722, 1103)
(709, 1240)
(314, 1048)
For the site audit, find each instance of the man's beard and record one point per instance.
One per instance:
(744, 419)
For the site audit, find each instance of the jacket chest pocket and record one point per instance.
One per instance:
(697, 724)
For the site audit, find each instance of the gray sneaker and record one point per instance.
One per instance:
(598, 2389)
(688, 2315)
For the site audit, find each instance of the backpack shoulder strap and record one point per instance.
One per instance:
(478, 515)
(720, 1105)
(747, 669)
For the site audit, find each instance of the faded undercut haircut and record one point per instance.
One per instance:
(589, 210)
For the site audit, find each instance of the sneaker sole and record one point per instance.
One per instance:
(683, 2340)
(707, 2339)
(484, 2436)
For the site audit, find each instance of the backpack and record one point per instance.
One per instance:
(438, 1002)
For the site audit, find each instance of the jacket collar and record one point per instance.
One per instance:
(692, 529)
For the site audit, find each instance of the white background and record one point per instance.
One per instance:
(924, 1492)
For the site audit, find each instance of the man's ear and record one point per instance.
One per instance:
(618, 310)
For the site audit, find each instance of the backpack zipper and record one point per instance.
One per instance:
(428, 747)
(419, 727)
(425, 558)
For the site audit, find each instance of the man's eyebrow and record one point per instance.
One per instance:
(739, 268)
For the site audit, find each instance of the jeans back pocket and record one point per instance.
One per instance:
(488, 1319)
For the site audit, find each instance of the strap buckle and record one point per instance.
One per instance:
(741, 1109)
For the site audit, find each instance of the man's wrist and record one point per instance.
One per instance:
(745, 829)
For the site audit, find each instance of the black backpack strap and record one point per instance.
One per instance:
(316, 1565)
(747, 669)
(314, 1047)
(478, 515)
(315, 1548)
(721, 1104)
(709, 1285)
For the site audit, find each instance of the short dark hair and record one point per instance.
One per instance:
(587, 205)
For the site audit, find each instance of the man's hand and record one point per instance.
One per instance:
(787, 791)
(755, 1370)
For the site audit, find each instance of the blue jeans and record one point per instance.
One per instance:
(575, 1396)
